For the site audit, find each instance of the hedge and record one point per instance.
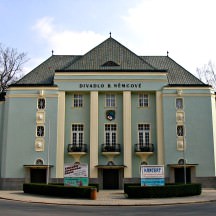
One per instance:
(171, 190)
(92, 185)
(59, 190)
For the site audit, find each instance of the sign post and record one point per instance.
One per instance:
(152, 175)
(76, 174)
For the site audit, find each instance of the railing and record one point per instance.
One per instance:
(110, 148)
(77, 148)
(144, 147)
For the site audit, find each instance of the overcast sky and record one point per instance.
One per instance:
(185, 28)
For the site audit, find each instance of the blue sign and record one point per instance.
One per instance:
(152, 182)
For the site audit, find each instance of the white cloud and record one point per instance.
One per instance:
(32, 63)
(67, 42)
(183, 27)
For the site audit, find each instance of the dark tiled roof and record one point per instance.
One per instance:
(44, 73)
(110, 51)
(177, 75)
(109, 56)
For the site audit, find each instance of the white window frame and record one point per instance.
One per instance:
(77, 100)
(110, 100)
(77, 136)
(144, 134)
(110, 134)
(143, 100)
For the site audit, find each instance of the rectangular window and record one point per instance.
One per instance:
(40, 131)
(77, 100)
(144, 134)
(143, 100)
(180, 130)
(110, 100)
(110, 134)
(179, 103)
(77, 134)
(41, 103)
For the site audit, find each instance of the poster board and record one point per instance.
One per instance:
(152, 175)
(76, 174)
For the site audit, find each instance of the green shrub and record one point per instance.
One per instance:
(58, 190)
(92, 185)
(126, 185)
(171, 190)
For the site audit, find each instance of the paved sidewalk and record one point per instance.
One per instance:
(108, 198)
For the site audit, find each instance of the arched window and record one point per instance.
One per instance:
(39, 161)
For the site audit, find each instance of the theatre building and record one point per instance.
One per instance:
(110, 109)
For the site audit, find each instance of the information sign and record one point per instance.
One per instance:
(76, 174)
(152, 175)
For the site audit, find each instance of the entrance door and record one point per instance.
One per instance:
(179, 175)
(110, 179)
(38, 175)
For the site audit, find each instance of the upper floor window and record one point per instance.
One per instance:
(144, 134)
(143, 100)
(179, 103)
(40, 131)
(77, 100)
(41, 103)
(77, 134)
(110, 134)
(180, 130)
(110, 100)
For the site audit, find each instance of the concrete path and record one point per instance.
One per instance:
(108, 198)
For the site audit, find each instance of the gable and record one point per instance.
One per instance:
(111, 54)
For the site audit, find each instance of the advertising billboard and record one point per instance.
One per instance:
(76, 174)
(152, 175)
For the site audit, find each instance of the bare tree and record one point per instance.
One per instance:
(208, 74)
(11, 63)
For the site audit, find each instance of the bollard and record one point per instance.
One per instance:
(93, 193)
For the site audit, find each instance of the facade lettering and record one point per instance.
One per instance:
(110, 85)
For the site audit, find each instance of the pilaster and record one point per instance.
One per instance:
(127, 134)
(93, 134)
(159, 121)
(60, 136)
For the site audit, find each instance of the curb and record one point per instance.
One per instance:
(107, 200)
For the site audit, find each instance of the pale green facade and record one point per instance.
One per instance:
(20, 119)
